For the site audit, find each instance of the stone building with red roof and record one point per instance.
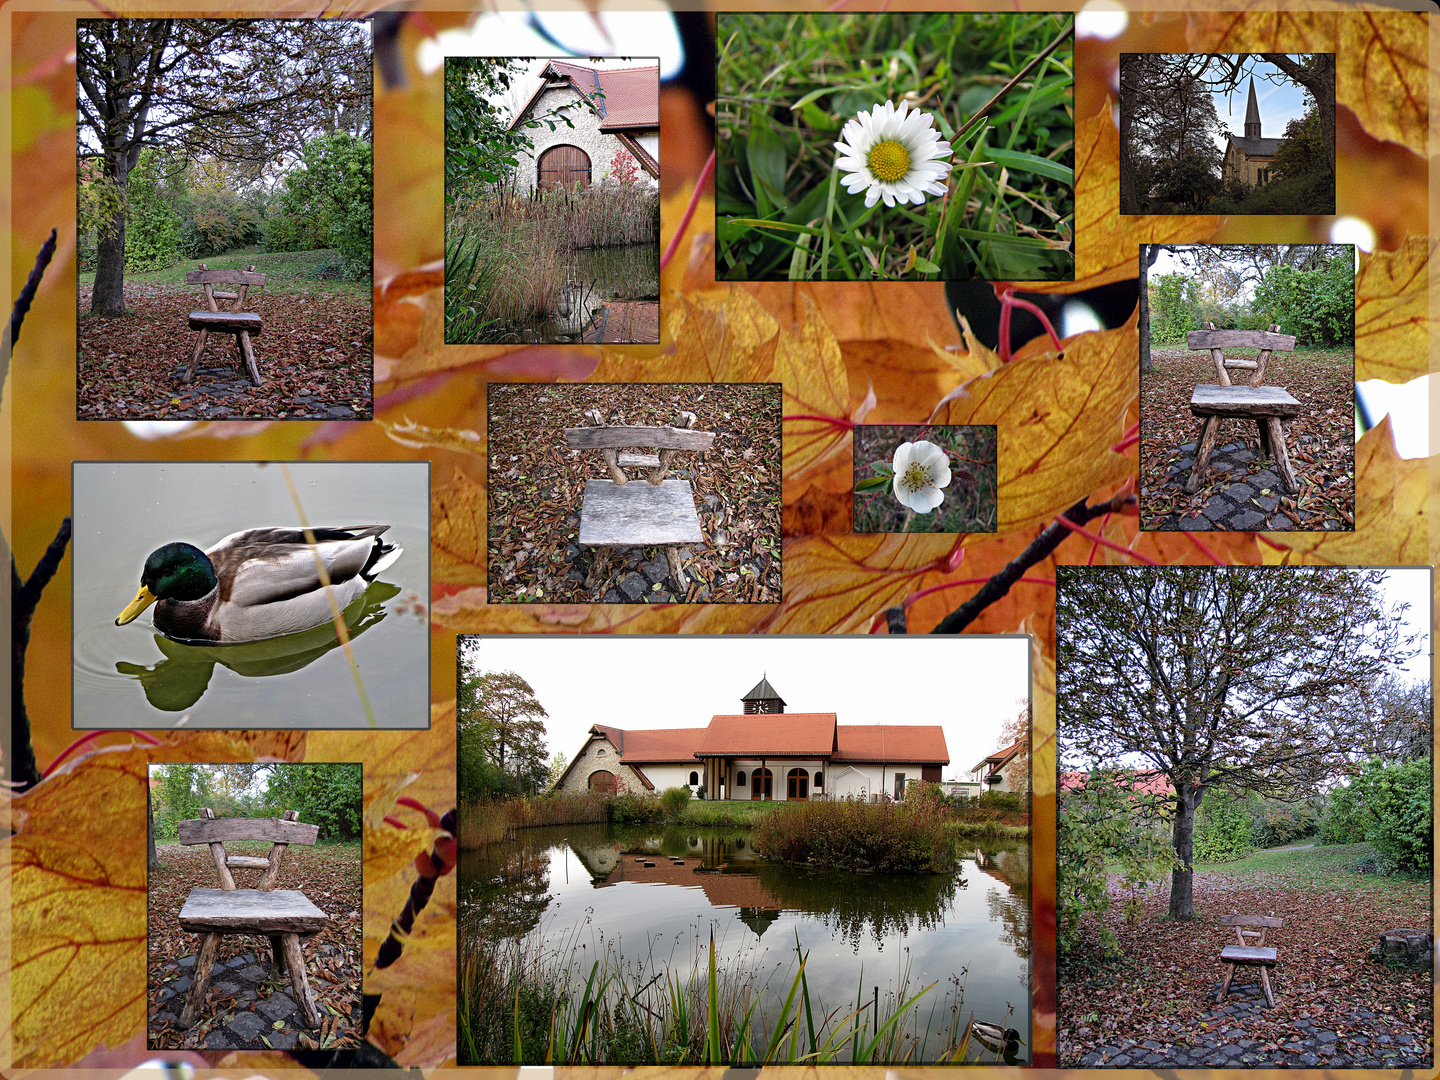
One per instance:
(614, 127)
(762, 752)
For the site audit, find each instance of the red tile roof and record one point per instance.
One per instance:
(891, 742)
(770, 734)
(661, 744)
(1001, 758)
(630, 98)
(1142, 783)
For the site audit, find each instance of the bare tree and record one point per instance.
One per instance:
(1247, 678)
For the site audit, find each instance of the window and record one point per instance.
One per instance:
(819, 781)
(797, 784)
(740, 778)
(694, 777)
(600, 752)
(899, 786)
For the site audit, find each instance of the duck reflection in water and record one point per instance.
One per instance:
(177, 682)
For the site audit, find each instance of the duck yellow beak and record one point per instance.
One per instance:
(143, 599)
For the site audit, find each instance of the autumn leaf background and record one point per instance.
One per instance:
(844, 354)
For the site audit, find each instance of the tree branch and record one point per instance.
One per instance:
(1040, 548)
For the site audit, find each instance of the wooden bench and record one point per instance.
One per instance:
(235, 320)
(658, 513)
(1251, 950)
(282, 915)
(1268, 406)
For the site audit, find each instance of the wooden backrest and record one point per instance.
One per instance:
(1244, 925)
(223, 277)
(281, 832)
(276, 830)
(1217, 341)
(681, 435)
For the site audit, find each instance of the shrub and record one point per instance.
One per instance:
(851, 835)
(1009, 802)
(630, 807)
(1222, 828)
(1096, 825)
(1273, 823)
(673, 800)
(1391, 806)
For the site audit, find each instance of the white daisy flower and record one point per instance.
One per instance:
(893, 154)
(921, 470)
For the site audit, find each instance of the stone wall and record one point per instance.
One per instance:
(598, 753)
(585, 134)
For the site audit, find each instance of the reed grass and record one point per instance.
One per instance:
(492, 821)
(910, 836)
(522, 1002)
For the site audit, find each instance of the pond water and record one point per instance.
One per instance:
(587, 888)
(133, 677)
(594, 276)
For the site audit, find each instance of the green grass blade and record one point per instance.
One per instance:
(713, 1050)
(1016, 161)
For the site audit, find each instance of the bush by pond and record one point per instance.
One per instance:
(910, 836)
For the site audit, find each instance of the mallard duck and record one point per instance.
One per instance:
(256, 584)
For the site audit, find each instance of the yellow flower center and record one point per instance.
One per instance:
(889, 160)
(915, 477)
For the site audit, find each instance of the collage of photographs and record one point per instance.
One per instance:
(560, 537)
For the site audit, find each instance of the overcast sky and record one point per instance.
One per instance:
(969, 685)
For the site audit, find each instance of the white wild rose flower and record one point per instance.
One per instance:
(893, 155)
(921, 470)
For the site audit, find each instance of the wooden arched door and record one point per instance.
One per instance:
(603, 781)
(563, 167)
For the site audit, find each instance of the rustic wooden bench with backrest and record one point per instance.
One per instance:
(282, 915)
(621, 512)
(1250, 950)
(1268, 406)
(236, 320)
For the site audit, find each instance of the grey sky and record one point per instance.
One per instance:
(969, 685)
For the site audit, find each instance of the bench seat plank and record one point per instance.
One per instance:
(1246, 339)
(1248, 954)
(232, 321)
(241, 910)
(665, 438)
(638, 514)
(1242, 401)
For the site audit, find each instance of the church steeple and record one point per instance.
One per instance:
(763, 699)
(1252, 115)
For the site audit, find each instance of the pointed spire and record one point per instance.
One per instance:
(1252, 115)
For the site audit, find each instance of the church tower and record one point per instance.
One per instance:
(763, 699)
(1252, 115)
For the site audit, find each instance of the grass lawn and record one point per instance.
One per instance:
(1161, 987)
(285, 271)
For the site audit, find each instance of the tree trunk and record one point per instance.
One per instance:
(1129, 198)
(107, 298)
(1182, 898)
(1148, 254)
(152, 859)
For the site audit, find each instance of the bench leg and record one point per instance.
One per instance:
(200, 981)
(1266, 450)
(1265, 982)
(1282, 456)
(251, 368)
(299, 982)
(1225, 986)
(1209, 431)
(195, 357)
(598, 562)
(677, 573)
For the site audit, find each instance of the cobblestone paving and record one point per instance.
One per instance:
(1224, 1043)
(1245, 494)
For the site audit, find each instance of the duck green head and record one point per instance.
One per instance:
(172, 572)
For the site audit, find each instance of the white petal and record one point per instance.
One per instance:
(901, 461)
(927, 499)
(872, 196)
